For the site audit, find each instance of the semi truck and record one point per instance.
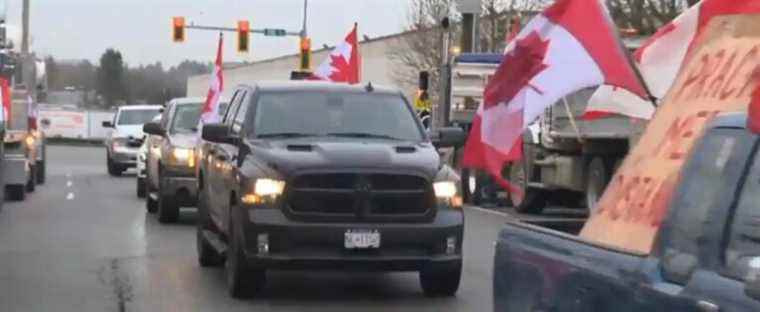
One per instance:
(567, 161)
(24, 162)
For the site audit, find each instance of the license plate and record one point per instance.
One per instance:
(362, 239)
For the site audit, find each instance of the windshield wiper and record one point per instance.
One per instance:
(285, 135)
(364, 135)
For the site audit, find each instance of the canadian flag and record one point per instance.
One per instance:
(660, 59)
(570, 46)
(5, 95)
(210, 111)
(344, 62)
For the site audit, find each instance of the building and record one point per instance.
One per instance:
(377, 67)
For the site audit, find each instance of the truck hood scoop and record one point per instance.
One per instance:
(289, 157)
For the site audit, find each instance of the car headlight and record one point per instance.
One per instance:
(447, 192)
(264, 190)
(183, 157)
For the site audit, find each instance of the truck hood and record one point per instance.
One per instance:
(186, 140)
(134, 131)
(289, 157)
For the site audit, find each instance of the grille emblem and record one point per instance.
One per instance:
(362, 187)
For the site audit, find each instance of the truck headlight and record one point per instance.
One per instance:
(446, 189)
(447, 192)
(268, 187)
(183, 157)
(263, 190)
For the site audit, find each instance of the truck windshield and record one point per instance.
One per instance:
(129, 117)
(311, 113)
(186, 118)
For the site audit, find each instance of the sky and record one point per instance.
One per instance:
(141, 29)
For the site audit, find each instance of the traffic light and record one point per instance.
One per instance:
(305, 54)
(178, 29)
(242, 43)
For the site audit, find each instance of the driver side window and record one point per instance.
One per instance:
(232, 107)
(744, 235)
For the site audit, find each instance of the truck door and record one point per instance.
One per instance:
(692, 236)
(155, 152)
(228, 154)
(217, 160)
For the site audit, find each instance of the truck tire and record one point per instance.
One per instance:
(529, 200)
(596, 181)
(207, 254)
(141, 187)
(113, 169)
(440, 281)
(15, 192)
(168, 210)
(243, 281)
(41, 172)
(471, 193)
(31, 183)
(151, 206)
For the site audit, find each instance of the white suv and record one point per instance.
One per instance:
(123, 143)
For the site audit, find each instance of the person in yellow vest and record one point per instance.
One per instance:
(422, 101)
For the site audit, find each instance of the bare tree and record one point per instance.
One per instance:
(646, 16)
(497, 16)
(420, 47)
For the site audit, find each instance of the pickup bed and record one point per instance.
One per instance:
(706, 256)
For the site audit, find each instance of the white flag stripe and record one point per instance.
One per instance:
(659, 65)
(570, 68)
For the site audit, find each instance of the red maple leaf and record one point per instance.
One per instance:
(517, 70)
(341, 70)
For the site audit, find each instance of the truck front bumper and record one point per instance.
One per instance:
(15, 170)
(183, 189)
(126, 157)
(308, 245)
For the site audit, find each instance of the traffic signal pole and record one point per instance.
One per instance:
(276, 32)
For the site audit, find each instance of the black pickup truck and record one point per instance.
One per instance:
(706, 256)
(312, 175)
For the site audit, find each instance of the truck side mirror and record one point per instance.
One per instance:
(447, 137)
(217, 133)
(752, 283)
(153, 128)
(107, 124)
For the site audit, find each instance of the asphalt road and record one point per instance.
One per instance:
(83, 242)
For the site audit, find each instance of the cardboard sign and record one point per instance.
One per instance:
(716, 78)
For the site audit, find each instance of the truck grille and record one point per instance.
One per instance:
(370, 197)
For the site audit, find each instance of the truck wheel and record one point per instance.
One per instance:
(471, 187)
(207, 254)
(150, 205)
(31, 183)
(243, 281)
(596, 180)
(440, 281)
(141, 187)
(527, 201)
(41, 172)
(15, 192)
(113, 169)
(168, 210)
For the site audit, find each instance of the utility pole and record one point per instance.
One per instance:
(304, 34)
(25, 28)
